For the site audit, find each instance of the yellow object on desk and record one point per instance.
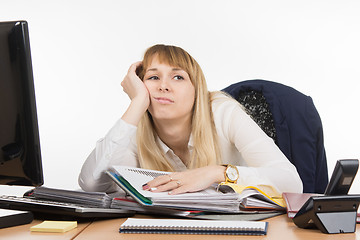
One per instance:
(265, 193)
(54, 226)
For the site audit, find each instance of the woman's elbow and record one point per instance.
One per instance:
(293, 183)
(89, 184)
(298, 185)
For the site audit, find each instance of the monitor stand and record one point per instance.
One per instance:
(10, 218)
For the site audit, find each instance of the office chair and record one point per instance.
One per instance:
(292, 121)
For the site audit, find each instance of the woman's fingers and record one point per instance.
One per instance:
(160, 180)
(133, 86)
(167, 186)
(175, 183)
(161, 183)
(179, 190)
(134, 66)
(188, 181)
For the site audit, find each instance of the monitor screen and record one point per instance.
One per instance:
(20, 157)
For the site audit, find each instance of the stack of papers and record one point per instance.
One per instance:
(95, 199)
(210, 200)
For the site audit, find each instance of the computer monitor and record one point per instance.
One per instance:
(20, 156)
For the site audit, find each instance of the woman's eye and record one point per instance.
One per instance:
(178, 77)
(153, 78)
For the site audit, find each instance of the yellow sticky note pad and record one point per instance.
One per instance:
(54, 226)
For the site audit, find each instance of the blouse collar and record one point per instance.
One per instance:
(166, 149)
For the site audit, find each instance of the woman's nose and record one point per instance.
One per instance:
(163, 87)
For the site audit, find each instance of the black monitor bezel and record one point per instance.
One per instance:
(19, 48)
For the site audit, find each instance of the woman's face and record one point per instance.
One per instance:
(172, 95)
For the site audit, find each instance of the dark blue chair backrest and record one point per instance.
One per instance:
(292, 120)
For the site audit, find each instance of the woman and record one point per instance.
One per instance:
(174, 124)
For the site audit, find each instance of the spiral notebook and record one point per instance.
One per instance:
(180, 226)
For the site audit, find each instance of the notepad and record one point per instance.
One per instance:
(184, 226)
(54, 226)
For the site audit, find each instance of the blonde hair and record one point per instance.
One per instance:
(206, 150)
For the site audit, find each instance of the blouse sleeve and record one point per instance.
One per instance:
(118, 147)
(263, 163)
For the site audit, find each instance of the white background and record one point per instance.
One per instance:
(81, 51)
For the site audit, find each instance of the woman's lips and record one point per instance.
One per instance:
(163, 100)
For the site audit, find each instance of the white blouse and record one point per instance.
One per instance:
(242, 143)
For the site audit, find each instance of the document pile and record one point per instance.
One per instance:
(210, 199)
(94, 199)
